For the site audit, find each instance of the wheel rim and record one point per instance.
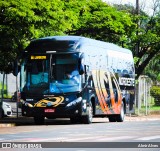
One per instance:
(90, 114)
(122, 112)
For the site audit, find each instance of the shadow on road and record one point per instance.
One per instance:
(26, 121)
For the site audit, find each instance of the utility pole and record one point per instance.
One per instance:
(137, 13)
(138, 100)
(137, 7)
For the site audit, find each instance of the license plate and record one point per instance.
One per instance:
(49, 110)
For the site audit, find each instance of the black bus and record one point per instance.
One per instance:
(78, 78)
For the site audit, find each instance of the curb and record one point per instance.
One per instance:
(142, 119)
(13, 121)
(132, 118)
(8, 125)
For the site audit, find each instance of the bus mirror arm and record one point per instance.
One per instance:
(81, 68)
(15, 68)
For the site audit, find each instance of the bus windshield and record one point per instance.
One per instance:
(50, 74)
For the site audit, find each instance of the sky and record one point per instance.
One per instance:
(146, 5)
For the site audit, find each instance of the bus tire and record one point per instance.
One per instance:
(112, 119)
(87, 119)
(120, 117)
(39, 120)
(3, 114)
(75, 120)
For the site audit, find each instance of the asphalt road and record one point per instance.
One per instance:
(99, 134)
(63, 131)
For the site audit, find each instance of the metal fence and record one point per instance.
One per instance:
(144, 101)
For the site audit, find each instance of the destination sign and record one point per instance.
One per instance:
(38, 57)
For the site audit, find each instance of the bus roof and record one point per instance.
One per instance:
(80, 40)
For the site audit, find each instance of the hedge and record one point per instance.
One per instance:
(155, 93)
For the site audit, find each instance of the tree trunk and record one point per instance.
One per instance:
(140, 68)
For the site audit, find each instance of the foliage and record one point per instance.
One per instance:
(101, 21)
(22, 21)
(149, 43)
(145, 39)
(155, 93)
(153, 69)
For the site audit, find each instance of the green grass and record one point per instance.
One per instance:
(150, 110)
(151, 106)
(155, 108)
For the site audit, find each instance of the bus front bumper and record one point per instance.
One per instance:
(70, 110)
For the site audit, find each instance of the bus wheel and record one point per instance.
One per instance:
(75, 120)
(89, 117)
(39, 120)
(2, 116)
(112, 119)
(120, 117)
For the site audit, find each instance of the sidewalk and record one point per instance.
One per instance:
(14, 121)
(133, 118)
(143, 117)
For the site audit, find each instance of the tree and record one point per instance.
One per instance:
(149, 43)
(101, 21)
(22, 21)
(153, 69)
(155, 93)
(148, 38)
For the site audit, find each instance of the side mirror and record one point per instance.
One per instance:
(15, 68)
(81, 68)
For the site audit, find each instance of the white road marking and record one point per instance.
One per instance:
(149, 138)
(91, 138)
(58, 139)
(106, 139)
(84, 138)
